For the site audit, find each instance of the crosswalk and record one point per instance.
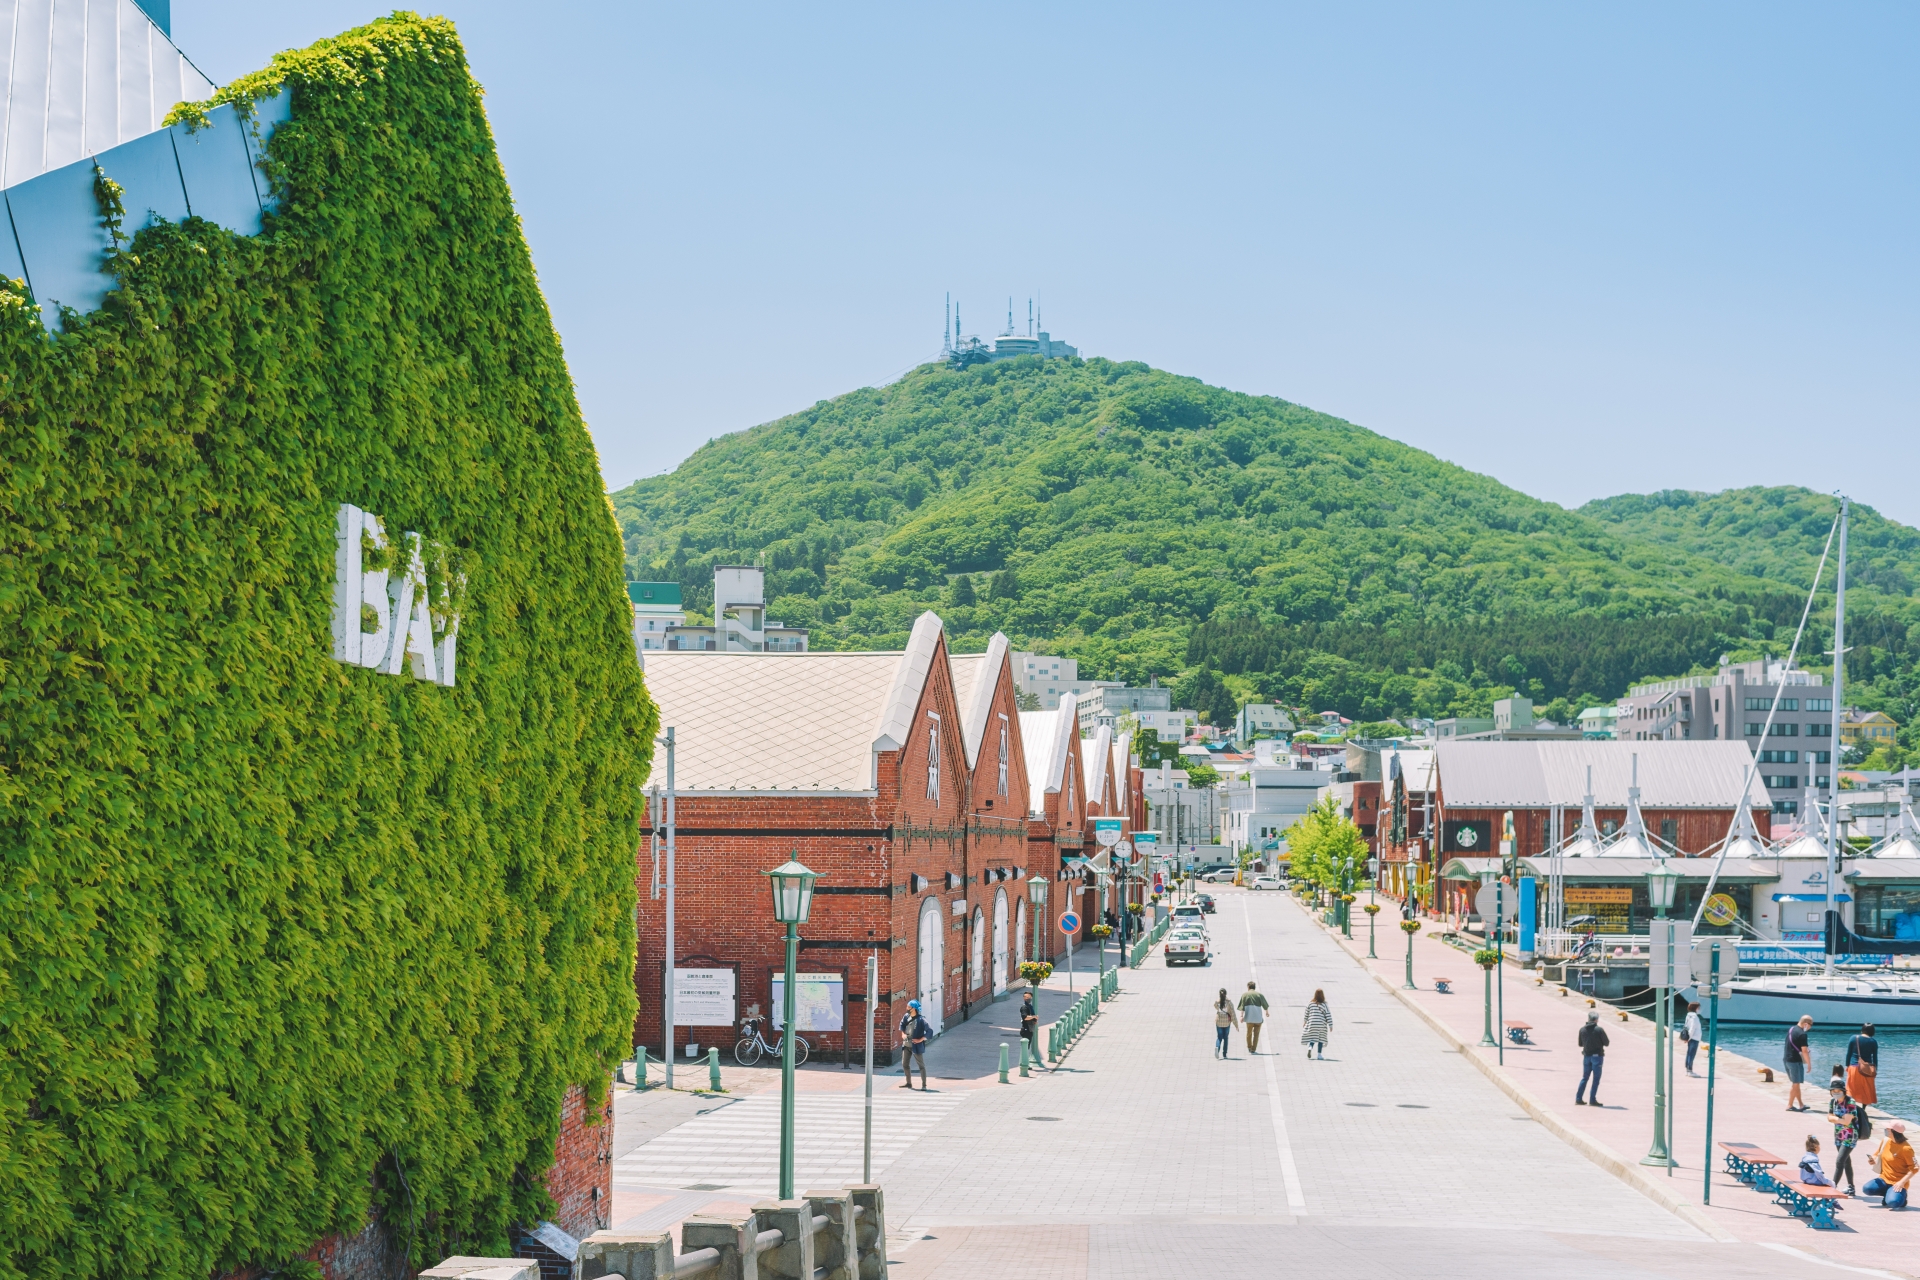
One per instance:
(736, 1145)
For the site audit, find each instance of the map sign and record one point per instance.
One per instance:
(703, 997)
(819, 1001)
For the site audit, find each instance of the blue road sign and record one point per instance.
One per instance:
(1069, 922)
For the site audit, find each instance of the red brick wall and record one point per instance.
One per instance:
(870, 846)
(581, 1179)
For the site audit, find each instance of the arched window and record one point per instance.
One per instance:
(933, 763)
(979, 948)
(1003, 757)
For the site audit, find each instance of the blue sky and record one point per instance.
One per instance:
(1585, 249)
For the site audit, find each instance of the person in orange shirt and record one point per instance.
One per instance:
(1896, 1168)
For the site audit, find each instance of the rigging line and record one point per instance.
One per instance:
(1746, 778)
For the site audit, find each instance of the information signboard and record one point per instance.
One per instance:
(703, 998)
(820, 1001)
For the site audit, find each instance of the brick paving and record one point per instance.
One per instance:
(1159, 1160)
(1745, 1109)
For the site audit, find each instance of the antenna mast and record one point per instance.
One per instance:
(1839, 696)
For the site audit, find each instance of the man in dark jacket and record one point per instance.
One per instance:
(1593, 1056)
(915, 1031)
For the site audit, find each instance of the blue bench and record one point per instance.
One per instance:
(1752, 1165)
(1443, 985)
(1815, 1204)
(1517, 1032)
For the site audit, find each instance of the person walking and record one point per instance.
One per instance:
(1316, 1026)
(1690, 1032)
(1795, 1056)
(1030, 1024)
(915, 1032)
(1863, 1067)
(1224, 1022)
(1253, 1011)
(1593, 1057)
(1895, 1159)
(1846, 1132)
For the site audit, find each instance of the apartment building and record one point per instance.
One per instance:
(1784, 716)
(1050, 678)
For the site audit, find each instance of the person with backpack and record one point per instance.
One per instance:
(915, 1032)
(1863, 1066)
(1224, 1022)
(1253, 1012)
(1850, 1125)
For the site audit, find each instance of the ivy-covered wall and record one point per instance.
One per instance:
(285, 941)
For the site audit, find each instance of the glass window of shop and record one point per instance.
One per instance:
(1887, 911)
(1624, 908)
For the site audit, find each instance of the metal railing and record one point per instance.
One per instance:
(1062, 1034)
(1109, 984)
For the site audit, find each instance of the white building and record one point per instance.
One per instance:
(1187, 817)
(1265, 799)
(740, 623)
(656, 607)
(1050, 678)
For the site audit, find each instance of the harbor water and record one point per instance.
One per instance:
(1898, 1081)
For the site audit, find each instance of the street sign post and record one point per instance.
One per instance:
(1715, 960)
(1495, 905)
(1069, 925)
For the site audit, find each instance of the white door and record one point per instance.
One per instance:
(1019, 933)
(979, 968)
(933, 960)
(999, 941)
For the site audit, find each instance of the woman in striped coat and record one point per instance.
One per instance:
(1316, 1026)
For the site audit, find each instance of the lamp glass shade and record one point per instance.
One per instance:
(1661, 883)
(792, 892)
(1037, 890)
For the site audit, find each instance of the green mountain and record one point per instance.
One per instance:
(1150, 524)
(1775, 533)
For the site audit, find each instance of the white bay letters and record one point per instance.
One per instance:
(395, 604)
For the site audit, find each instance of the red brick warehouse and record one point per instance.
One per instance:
(900, 778)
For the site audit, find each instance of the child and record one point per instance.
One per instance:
(1810, 1171)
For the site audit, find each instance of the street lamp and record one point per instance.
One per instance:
(792, 886)
(1373, 879)
(1661, 882)
(1037, 895)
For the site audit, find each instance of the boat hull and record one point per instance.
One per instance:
(1783, 1004)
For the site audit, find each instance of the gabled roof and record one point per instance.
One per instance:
(975, 677)
(787, 721)
(1096, 755)
(1673, 775)
(1122, 755)
(1047, 737)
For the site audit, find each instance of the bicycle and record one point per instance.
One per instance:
(752, 1044)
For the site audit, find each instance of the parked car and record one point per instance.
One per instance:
(1223, 876)
(1265, 882)
(1187, 911)
(1206, 902)
(1188, 946)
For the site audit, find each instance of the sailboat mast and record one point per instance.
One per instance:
(1839, 697)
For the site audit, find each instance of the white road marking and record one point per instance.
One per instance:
(1296, 1199)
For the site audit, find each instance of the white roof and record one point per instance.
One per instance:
(1046, 737)
(1673, 775)
(78, 77)
(1122, 769)
(975, 676)
(1096, 754)
(787, 721)
(1416, 767)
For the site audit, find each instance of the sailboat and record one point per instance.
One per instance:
(1886, 997)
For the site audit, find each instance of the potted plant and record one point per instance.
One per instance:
(1486, 957)
(1035, 971)
(1372, 908)
(1409, 926)
(1136, 908)
(1100, 930)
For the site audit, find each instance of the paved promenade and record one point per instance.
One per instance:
(1619, 1133)
(1145, 1156)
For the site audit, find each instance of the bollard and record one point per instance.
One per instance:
(792, 1259)
(733, 1237)
(1053, 1043)
(1026, 1048)
(836, 1247)
(1003, 1063)
(713, 1074)
(870, 1229)
(640, 1067)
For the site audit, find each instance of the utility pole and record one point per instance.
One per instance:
(666, 1000)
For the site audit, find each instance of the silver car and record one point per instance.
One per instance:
(1189, 946)
(1265, 882)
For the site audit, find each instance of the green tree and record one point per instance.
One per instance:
(961, 595)
(1206, 693)
(1320, 842)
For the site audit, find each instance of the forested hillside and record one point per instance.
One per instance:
(1108, 510)
(1772, 533)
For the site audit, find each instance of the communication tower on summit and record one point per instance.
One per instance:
(960, 349)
